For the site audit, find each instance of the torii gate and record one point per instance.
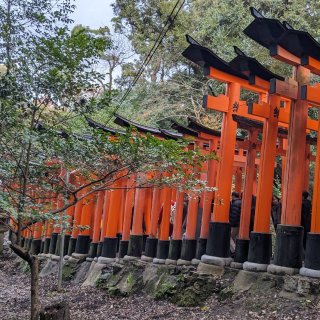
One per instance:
(300, 50)
(212, 138)
(153, 247)
(219, 232)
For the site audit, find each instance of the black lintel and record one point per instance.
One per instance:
(300, 44)
(243, 63)
(201, 128)
(100, 126)
(206, 58)
(263, 30)
(183, 129)
(121, 121)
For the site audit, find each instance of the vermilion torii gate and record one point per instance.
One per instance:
(260, 244)
(219, 234)
(300, 50)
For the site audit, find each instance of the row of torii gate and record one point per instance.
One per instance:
(127, 224)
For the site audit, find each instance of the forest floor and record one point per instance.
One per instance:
(95, 304)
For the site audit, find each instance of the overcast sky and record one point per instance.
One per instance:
(93, 13)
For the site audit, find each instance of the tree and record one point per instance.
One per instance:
(215, 24)
(49, 82)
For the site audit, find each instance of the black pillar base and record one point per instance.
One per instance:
(174, 249)
(260, 248)
(119, 236)
(151, 247)
(36, 246)
(26, 243)
(135, 246)
(242, 250)
(57, 252)
(83, 243)
(312, 258)
(53, 243)
(109, 249)
(67, 238)
(46, 245)
(93, 250)
(42, 246)
(145, 237)
(188, 249)
(22, 242)
(162, 249)
(201, 248)
(218, 244)
(29, 244)
(289, 246)
(123, 248)
(72, 246)
(99, 249)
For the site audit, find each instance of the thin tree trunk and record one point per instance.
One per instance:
(35, 303)
(33, 262)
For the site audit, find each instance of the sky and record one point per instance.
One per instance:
(93, 13)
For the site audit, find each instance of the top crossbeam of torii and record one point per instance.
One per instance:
(295, 47)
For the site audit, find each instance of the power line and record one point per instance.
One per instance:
(169, 22)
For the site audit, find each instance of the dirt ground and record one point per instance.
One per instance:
(95, 304)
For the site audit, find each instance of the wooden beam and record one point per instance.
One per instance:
(287, 89)
(283, 55)
(219, 103)
(312, 64)
(227, 78)
(311, 94)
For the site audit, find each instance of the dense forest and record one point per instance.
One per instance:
(171, 86)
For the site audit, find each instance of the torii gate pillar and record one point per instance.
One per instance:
(218, 244)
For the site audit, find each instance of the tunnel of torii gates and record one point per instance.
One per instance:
(135, 223)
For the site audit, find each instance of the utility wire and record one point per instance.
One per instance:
(165, 29)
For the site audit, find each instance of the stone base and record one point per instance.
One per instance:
(236, 265)
(211, 269)
(159, 261)
(73, 260)
(79, 256)
(171, 262)
(182, 262)
(104, 260)
(147, 259)
(195, 262)
(218, 261)
(54, 257)
(89, 259)
(257, 267)
(130, 258)
(310, 272)
(280, 270)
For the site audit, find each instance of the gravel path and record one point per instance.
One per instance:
(94, 304)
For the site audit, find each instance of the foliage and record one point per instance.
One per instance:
(215, 24)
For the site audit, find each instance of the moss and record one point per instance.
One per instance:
(68, 272)
(226, 293)
(164, 290)
(25, 267)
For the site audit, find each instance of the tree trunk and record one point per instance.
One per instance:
(35, 304)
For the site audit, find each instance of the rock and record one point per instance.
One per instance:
(244, 281)
(210, 269)
(59, 311)
(94, 273)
